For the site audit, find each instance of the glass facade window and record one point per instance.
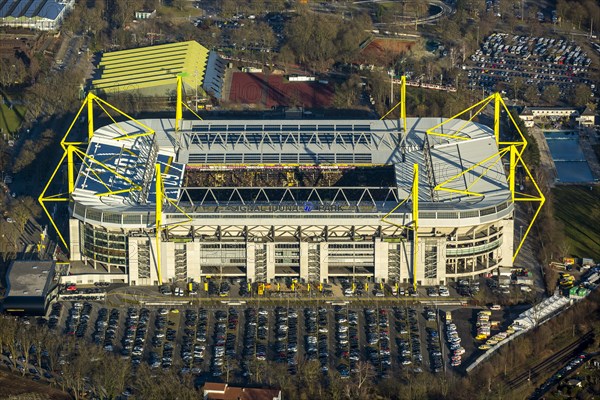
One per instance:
(104, 247)
(431, 259)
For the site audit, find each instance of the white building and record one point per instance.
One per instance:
(588, 117)
(44, 15)
(291, 198)
(530, 114)
(145, 14)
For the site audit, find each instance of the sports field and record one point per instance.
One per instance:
(275, 90)
(10, 118)
(578, 208)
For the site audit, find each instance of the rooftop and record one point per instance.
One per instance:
(222, 391)
(128, 156)
(152, 67)
(49, 9)
(29, 278)
(588, 111)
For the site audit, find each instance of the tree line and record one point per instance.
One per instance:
(318, 41)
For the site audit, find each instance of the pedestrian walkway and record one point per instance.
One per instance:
(588, 138)
(546, 161)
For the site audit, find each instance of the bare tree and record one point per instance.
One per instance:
(111, 374)
(8, 337)
(363, 379)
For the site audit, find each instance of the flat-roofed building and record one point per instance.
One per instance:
(31, 286)
(222, 391)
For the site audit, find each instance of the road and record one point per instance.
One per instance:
(445, 10)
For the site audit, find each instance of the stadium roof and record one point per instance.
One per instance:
(113, 167)
(49, 9)
(235, 144)
(152, 67)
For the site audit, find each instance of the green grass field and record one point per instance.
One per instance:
(578, 209)
(10, 120)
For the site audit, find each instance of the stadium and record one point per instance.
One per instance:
(419, 201)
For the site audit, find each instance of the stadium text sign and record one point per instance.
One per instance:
(306, 207)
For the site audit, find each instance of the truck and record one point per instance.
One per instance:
(593, 278)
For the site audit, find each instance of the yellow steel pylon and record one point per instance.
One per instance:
(60, 197)
(523, 197)
(415, 214)
(161, 197)
(414, 224)
(72, 148)
(401, 103)
(181, 103)
(511, 149)
(158, 226)
(456, 134)
(89, 102)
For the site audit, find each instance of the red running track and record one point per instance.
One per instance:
(274, 90)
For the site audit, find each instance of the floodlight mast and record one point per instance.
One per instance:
(403, 108)
(415, 216)
(178, 106)
(158, 212)
(415, 186)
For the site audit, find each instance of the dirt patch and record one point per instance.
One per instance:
(384, 50)
(16, 387)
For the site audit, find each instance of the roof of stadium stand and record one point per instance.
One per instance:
(30, 9)
(239, 143)
(153, 66)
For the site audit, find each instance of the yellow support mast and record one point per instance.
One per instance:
(515, 157)
(179, 105)
(178, 108)
(158, 212)
(414, 224)
(90, 106)
(71, 168)
(512, 149)
(403, 101)
(511, 171)
(415, 213)
(72, 148)
(42, 199)
(497, 105)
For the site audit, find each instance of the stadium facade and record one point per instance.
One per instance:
(307, 199)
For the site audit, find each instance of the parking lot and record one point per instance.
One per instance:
(231, 341)
(537, 61)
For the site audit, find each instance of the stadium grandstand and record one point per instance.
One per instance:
(44, 15)
(152, 70)
(419, 201)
